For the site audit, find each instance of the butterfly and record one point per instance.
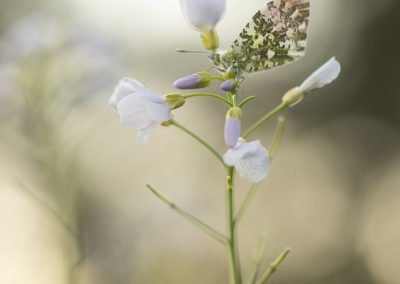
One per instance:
(276, 35)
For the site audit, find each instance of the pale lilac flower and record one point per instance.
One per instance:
(250, 159)
(321, 77)
(139, 107)
(203, 14)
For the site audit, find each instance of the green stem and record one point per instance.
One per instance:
(229, 96)
(246, 100)
(217, 78)
(265, 118)
(198, 139)
(232, 242)
(207, 95)
(246, 201)
(212, 232)
(256, 262)
(277, 137)
(273, 267)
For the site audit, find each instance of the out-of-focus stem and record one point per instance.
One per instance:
(255, 267)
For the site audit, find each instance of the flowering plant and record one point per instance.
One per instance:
(275, 36)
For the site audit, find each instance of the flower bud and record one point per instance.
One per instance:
(324, 75)
(202, 14)
(227, 86)
(210, 39)
(230, 74)
(194, 81)
(174, 101)
(293, 96)
(232, 127)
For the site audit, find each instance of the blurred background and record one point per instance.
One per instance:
(73, 205)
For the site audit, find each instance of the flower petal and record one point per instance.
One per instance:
(233, 156)
(251, 160)
(158, 111)
(125, 86)
(148, 94)
(133, 112)
(144, 133)
(322, 76)
(202, 13)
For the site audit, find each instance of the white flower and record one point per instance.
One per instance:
(250, 159)
(322, 76)
(139, 107)
(203, 14)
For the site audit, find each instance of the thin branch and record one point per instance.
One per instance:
(246, 201)
(198, 139)
(246, 100)
(212, 232)
(207, 95)
(265, 118)
(273, 267)
(277, 137)
(217, 78)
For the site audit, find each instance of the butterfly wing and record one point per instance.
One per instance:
(275, 36)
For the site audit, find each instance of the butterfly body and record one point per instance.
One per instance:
(276, 35)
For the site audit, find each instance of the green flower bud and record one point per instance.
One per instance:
(210, 39)
(230, 74)
(174, 101)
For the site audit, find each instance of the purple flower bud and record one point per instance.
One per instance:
(194, 81)
(188, 82)
(227, 86)
(232, 132)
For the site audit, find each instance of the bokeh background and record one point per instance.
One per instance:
(73, 205)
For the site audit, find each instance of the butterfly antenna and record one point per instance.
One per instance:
(192, 51)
